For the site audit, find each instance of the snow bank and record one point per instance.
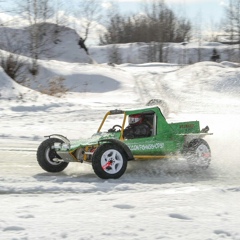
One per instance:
(87, 81)
(230, 64)
(209, 76)
(10, 89)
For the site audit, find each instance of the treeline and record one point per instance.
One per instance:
(157, 24)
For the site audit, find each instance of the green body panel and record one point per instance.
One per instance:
(167, 138)
(185, 127)
(93, 140)
(147, 146)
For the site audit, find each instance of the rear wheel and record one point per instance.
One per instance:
(198, 154)
(47, 156)
(109, 161)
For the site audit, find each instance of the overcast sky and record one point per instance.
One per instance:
(208, 9)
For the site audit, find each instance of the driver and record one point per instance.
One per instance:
(137, 127)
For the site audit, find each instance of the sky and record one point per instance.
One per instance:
(190, 8)
(208, 9)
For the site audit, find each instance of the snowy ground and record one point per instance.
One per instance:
(152, 200)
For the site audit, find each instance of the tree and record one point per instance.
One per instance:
(159, 23)
(232, 22)
(12, 65)
(114, 56)
(114, 32)
(90, 13)
(198, 35)
(10, 55)
(36, 12)
(59, 18)
(157, 26)
(43, 17)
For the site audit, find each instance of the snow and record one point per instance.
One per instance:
(153, 199)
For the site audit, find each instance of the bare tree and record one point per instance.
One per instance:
(89, 11)
(60, 18)
(10, 56)
(114, 55)
(158, 26)
(198, 35)
(12, 65)
(36, 12)
(166, 26)
(232, 16)
(232, 22)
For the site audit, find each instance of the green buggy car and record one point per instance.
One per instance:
(128, 135)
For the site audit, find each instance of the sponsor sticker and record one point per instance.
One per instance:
(152, 146)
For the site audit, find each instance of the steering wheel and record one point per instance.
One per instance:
(113, 129)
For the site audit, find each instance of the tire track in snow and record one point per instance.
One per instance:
(8, 149)
(142, 91)
(153, 88)
(149, 88)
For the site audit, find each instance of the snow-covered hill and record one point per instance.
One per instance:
(58, 42)
(61, 43)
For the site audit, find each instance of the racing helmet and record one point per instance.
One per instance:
(135, 119)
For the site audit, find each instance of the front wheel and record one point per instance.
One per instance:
(198, 154)
(109, 161)
(47, 156)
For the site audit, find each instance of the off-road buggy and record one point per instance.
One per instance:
(108, 150)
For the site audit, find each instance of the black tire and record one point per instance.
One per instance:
(198, 154)
(109, 161)
(46, 154)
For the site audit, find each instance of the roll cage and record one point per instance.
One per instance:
(150, 116)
